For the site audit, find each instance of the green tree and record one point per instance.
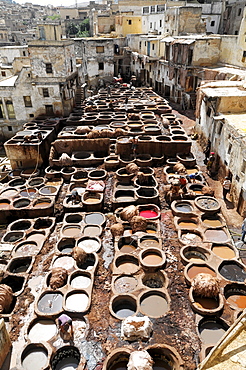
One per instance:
(54, 17)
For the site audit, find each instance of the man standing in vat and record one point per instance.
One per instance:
(226, 187)
(65, 325)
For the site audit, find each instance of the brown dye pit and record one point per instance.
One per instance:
(216, 235)
(191, 170)
(206, 303)
(188, 224)
(41, 204)
(193, 256)
(127, 248)
(150, 231)
(121, 365)
(92, 230)
(194, 270)
(152, 259)
(212, 222)
(71, 231)
(125, 284)
(127, 264)
(224, 252)
(48, 190)
(154, 305)
(4, 205)
(92, 200)
(237, 300)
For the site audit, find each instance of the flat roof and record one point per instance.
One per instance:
(223, 88)
(237, 120)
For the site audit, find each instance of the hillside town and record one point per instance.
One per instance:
(122, 185)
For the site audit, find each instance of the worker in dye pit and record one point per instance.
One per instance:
(39, 136)
(108, 91)
(191, 177)
(134, 145)
(183, 181)
(65, 325)
(207, 151)
(74, 197)
(226, 187)
(126, 102)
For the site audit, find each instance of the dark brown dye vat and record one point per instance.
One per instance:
(232, 271)
(146, 192)
(206, 303)
(194, 270)
(89, 263)
(19, 265)
(21, 225)
(21, 203)
(161, 361)
(127, 244)
(42, 223)
(50, 302)
(14, 282)
(65, 358)
(235, 295)
(17, 182)
(154, 280)
(74, 219)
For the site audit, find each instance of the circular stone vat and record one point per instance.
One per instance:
(205, 305)
(28, 192)
(21, 203)
(16, 283)
(233, 271)
(211, 220)
(20, 264)
(92, 230)
(81, 155)
(94, 218)
(97, 175)
(34, 357)
(188, 223)
(36, 236)
(66, 245)
(89, 263)
(20, 225)
(65, 358)
(125, 284)
(118, 360)
(65, 262)
(124, 306)
(42, 223)
(163, 138)
(153, 304)
(211, 330)
(17, 182)
(42, 203)
(164, 357)
(30, 172)
(194, 254)
(179, 138)
(127, 244)
(80, 280)
(27, 249)
(183, 207)
(192, 270)
(154, 280)
(48, 190)
(216, 235)
(226, 252)
(73, 219)
(80, 175)
(196, 188)
(42, 330)
(207, 204)
(150, 241)
(152, 258)
(50, 302)
(77, 301)
(71, 230)
(8, 193)
(89, 245)
(4, 203)
(36, 182)
(127, 264)
(188, 237)
(13, 236)
(235, 295)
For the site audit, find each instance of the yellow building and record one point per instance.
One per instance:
(127, 23)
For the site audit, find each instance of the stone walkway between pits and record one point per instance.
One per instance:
(229, 211)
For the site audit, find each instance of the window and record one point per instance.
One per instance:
(29, 75)
(27, 101)
(220, 126)
(236, 32)
(10, 128)
(2, 114)
(153, 46)
(212, 23)
(100, 49)
(150, 25)
(239, 12)
(146, 9)
(243, 166)
(150, 68)
(129, 22)
(101, 66)
(24, 53)
(45, 92)
(48, 68)
(49, 110)
(71, 65)
(152, 8)
(209, 110)
(229, 149)
(3, 73)
(10, 109)
(31, 115)
(67, 16)
(160, 22)
(140, 44)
